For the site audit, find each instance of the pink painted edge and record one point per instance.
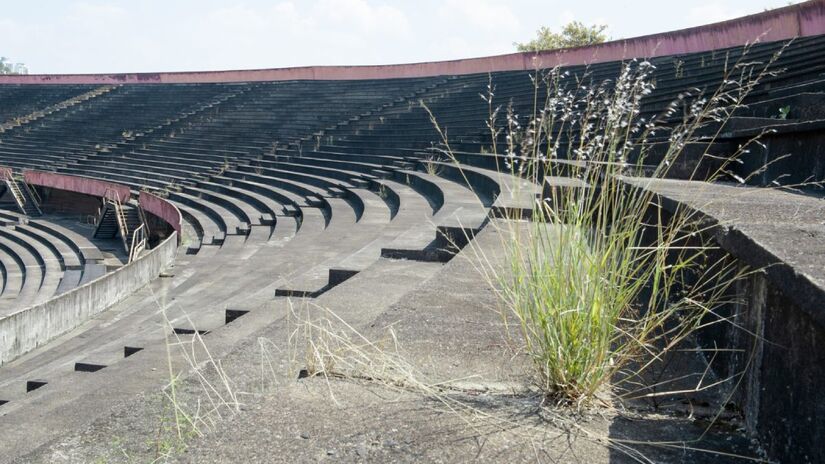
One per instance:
(804, 19)
(163, 209)
(78, 184)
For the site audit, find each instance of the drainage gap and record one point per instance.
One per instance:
(183, 331)
(87, 367)
(32, 385)
(338, 276)
(293, 293)
(232, 314)
(130, 350)
(335, 277)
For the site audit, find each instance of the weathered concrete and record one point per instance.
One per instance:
(78, 184)
(457, 337)
(29, 328)
(310, 212)
(163, 209)
(452, 330)
(778, 330)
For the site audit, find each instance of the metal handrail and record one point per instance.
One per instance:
(119, 214)
(138, 243)
(33, 191)
(15, 191)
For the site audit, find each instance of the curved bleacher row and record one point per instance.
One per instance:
(42, 259)
(310, 228)
(192, 140)
(288, 188)
(249, 164)
(20, 103)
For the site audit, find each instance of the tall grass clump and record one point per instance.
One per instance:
(604, 281)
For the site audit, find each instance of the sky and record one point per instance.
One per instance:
(97, 36)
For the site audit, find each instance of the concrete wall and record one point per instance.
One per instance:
(769, 342)
(78, 184)
(780, 348)
(64, 201)
(29, 328)
(804, 19)
(162, 209)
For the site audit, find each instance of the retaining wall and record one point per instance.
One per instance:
(162, 209)
(767, 345)
(78, 184)
(29, 328)
(805, 19)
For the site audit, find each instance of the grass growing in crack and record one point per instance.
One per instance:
(431, 166)
(224, 167)
(327, 346)
(604, 281)
(383, 191)
(186, 415)
(173, 431)
(323, 346)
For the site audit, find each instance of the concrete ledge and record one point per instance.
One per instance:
(806, 19)
(765, 228)
(163, 209)
(777, 325)
(78, 184)
(29, 328)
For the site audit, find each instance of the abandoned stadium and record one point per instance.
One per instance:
(165, 239)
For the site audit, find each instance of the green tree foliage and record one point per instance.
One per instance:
(574, 34)
(7, 67)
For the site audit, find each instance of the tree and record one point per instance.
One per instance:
(574, 34)
(7, 67)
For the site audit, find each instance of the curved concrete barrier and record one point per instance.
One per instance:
(805, 19)
(78, 184)
(29, 328)
(163, 209)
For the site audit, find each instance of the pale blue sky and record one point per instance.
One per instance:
(67, 36)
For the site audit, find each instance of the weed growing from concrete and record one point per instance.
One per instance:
(183, 417)
(323, 346)
(492, 115)
(383, 192)
(604, 281)
(431, 165)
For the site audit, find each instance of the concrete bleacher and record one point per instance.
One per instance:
(20, 102)
(43, 259)
(293, 188)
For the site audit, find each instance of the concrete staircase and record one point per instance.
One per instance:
(118, 219)
(24, 196)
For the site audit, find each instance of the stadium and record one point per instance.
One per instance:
(182, 253)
